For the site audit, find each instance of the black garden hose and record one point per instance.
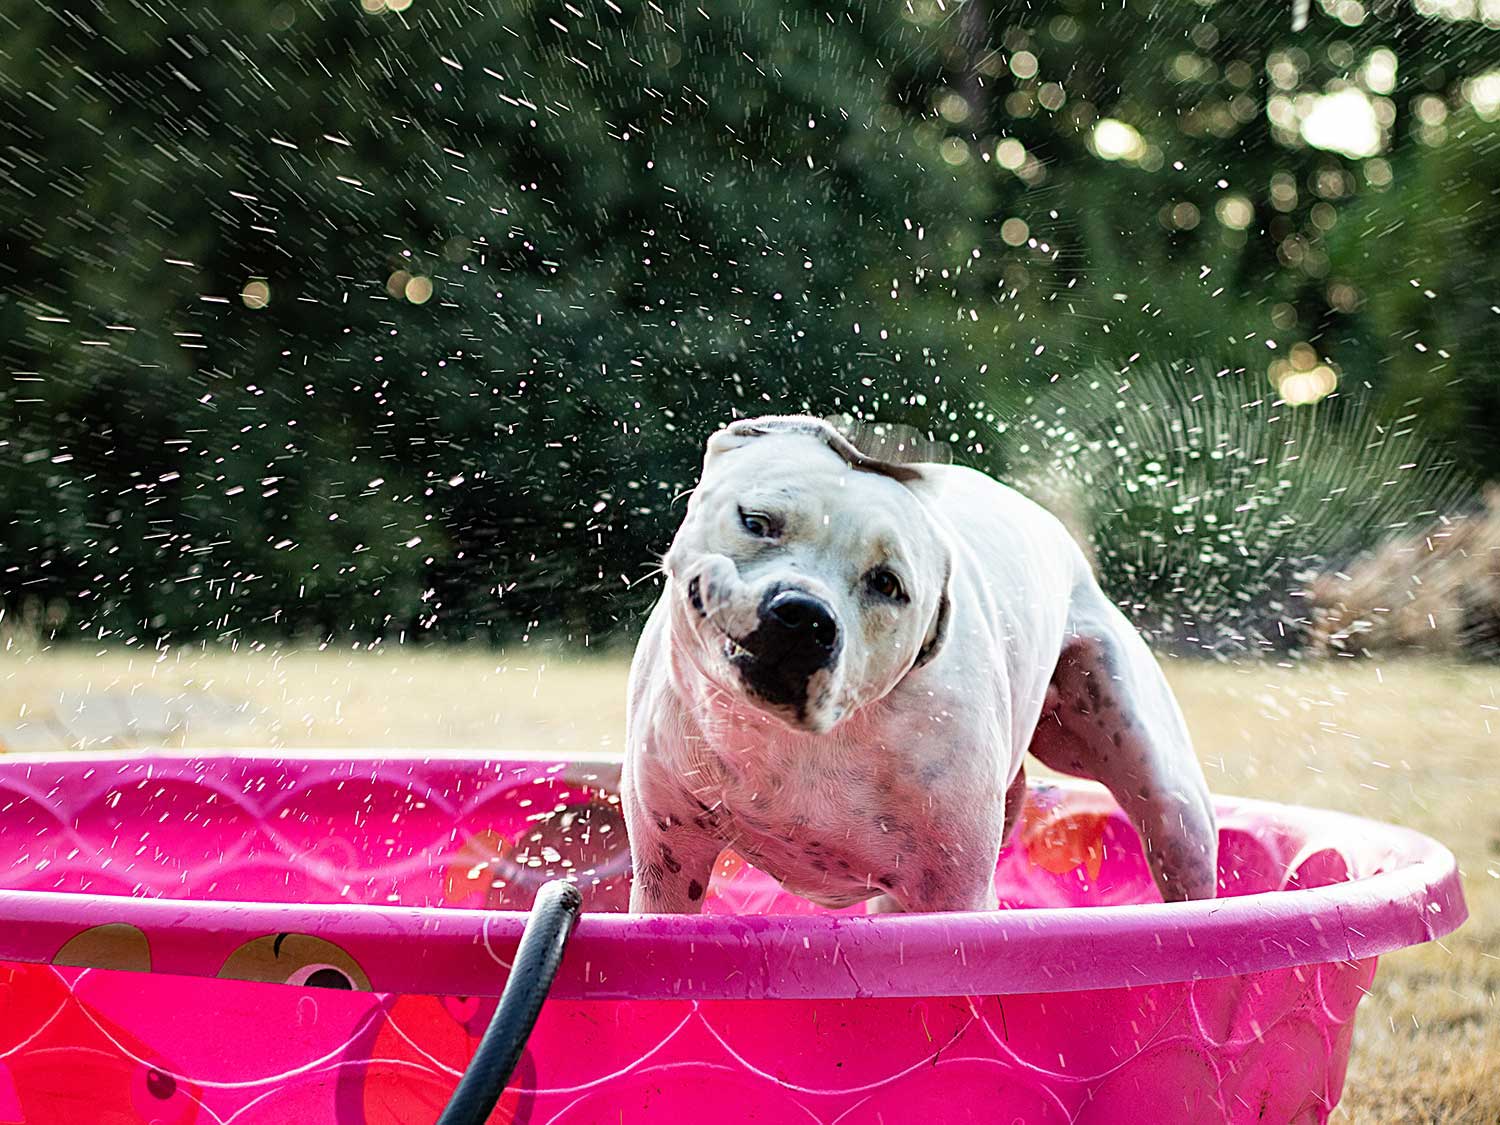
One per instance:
(551, 922)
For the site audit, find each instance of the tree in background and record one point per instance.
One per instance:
(409, 318)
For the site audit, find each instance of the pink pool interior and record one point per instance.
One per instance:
(471, 832)
(322, 937)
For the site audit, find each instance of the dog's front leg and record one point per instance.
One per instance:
(672, 852)
(673, 847)
(672, 862)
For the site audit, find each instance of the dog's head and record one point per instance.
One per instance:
(807, 577)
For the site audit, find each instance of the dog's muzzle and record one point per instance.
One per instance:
(797, 635)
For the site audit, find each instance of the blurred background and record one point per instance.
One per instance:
(396, 320)
(355, 356)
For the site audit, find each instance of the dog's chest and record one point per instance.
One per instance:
(835, 833)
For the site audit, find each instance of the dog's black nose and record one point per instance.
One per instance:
(802, 620)
(797, 635)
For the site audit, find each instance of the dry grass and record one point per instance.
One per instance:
(1415, 744)
(1406, 742)
(535, 699)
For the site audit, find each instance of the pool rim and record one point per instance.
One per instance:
(726, 957)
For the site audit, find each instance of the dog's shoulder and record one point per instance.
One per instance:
(973, 503)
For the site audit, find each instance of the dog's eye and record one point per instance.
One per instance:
(756, 524)
(885, 583)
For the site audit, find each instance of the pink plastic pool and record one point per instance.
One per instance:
(382, 898)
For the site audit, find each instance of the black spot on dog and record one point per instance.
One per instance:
(927, 886)
(695, 890)
(708, 819)
(695, 595)
(670, 861)
(931, 774)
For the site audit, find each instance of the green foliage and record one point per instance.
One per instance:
(409, 321)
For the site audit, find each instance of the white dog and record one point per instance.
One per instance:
(847, 666)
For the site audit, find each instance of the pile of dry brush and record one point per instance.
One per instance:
(1437, 591)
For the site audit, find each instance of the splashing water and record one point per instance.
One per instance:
(1210, 504)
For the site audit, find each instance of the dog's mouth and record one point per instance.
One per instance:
(733, 648)
(763, 682)
(741, 653)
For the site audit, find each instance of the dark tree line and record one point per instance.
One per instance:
(403, 320)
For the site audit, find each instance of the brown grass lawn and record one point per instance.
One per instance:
(1413, 743)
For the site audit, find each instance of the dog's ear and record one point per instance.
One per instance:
(937, 631)
(891, 443)
(721, 442)
(743, 430)
(737, 433)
